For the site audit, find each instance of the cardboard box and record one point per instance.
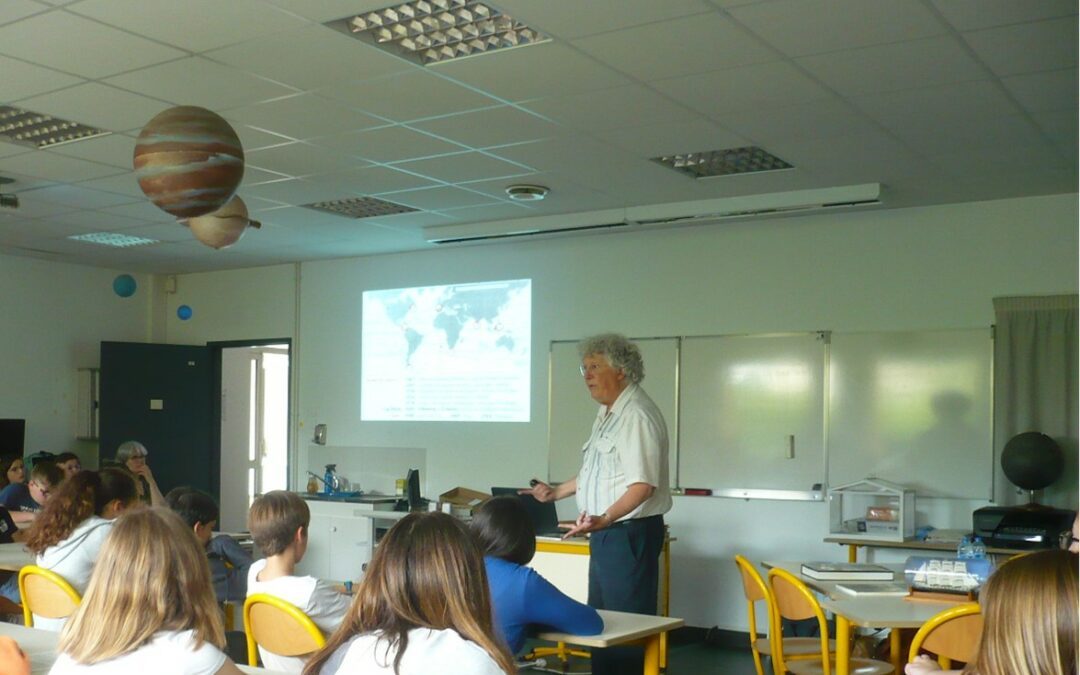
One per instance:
(462, 501)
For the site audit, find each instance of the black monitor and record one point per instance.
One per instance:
(12, 437)
(412, 490)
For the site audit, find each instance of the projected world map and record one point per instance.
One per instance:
(458, 352)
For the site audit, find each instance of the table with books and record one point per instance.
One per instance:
(878, 604)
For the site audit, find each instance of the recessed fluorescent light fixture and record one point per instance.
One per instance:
(113, 239)
(433, 31)
(41, 130)
(727, 162)
(360, 207)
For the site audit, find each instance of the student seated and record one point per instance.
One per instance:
(12, 470)
(68, 534)
(1029, 608)
(278, 521)
(229, 563)
(149, 607)
(422, 608)
(521, 598)
(68, 463)
(25, 500)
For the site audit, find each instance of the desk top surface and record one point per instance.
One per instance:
(619, 627)
(878, 611)
(915, 545)
(13, 557)
(827, 587)
(40, 647)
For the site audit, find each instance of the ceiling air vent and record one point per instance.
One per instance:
(40, 130)
(360, 207)
(728, 162)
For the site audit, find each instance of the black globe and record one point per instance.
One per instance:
(1032, 460)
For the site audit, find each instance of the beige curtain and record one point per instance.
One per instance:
(1035, 386)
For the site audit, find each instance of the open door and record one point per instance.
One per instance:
(161, 395)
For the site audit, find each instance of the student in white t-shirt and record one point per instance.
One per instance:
(278, 521)
(67, 536)
(422, 608)
(150, 606)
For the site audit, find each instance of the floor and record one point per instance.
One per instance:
(695, 658)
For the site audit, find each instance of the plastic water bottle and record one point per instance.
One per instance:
(978, 549)
(964, 550)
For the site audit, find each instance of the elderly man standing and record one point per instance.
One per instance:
(622, 487)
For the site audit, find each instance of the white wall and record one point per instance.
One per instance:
(934, 267)
(53, 317)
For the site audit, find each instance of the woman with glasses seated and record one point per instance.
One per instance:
(1029, 608)
(132, 456)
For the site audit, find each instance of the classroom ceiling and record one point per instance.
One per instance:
(937, 100)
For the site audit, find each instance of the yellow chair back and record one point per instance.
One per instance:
(279, 627)
(952, 635)
(46, 594)
(796, 602)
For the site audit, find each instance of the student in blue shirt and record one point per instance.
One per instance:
(229, 563)
(24, 500)
(521, 598)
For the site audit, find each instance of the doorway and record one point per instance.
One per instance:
(254, 427)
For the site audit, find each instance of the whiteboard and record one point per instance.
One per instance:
(914, 408)
(753, 412)
(572, 411)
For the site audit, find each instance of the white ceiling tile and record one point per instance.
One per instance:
(579, 152)
(95, 220)
(302, 116)
(141, 210)
(23, 79)
(387, 144)
(122, 184)
(13, 10)
(78, 197)
(975, 14)
(408, 96)
(532, 72)
(800, 27)
(490, 126)
(54, 167)
(1060, 127)
(759, 86)
(666, 138)
(1005, 136)
(198, 81)
(253, 175)
(1039, 92)
(175, 231)
(327, 10)
(295, 191)
(30, 206)
(462, 167)
(440, 198)
(411, 221)
(925, 62)
(310, 57)
(575, 19)
(114, 149)
(9, 149)
(634, 105)
(952, 105)
(682, 46)
(379, 180)
(1028, 47)
(195, 25)
(494, 211)
(77, 45)
(301, 159)
(254, 139)
(804, 122)
(98, 105)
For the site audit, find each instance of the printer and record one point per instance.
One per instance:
(1023, 527)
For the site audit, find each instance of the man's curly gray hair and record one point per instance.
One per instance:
(619, 352)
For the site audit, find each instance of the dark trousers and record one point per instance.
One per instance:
(624, 574)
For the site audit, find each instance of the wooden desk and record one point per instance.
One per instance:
(878, 612)
(13, 557)
(911, 545)
(624, 628)
(40, 646)
(827, 588)
(565, 563)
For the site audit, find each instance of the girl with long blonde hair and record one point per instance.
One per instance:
(1029, 608)
(423, 607)
(150, 605)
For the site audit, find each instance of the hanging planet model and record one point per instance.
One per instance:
(188, 161)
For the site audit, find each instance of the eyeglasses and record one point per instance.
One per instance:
(591, 368)
(1066, 540)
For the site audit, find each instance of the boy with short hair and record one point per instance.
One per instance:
(229, 563)
(278, 521)
(24, 500)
